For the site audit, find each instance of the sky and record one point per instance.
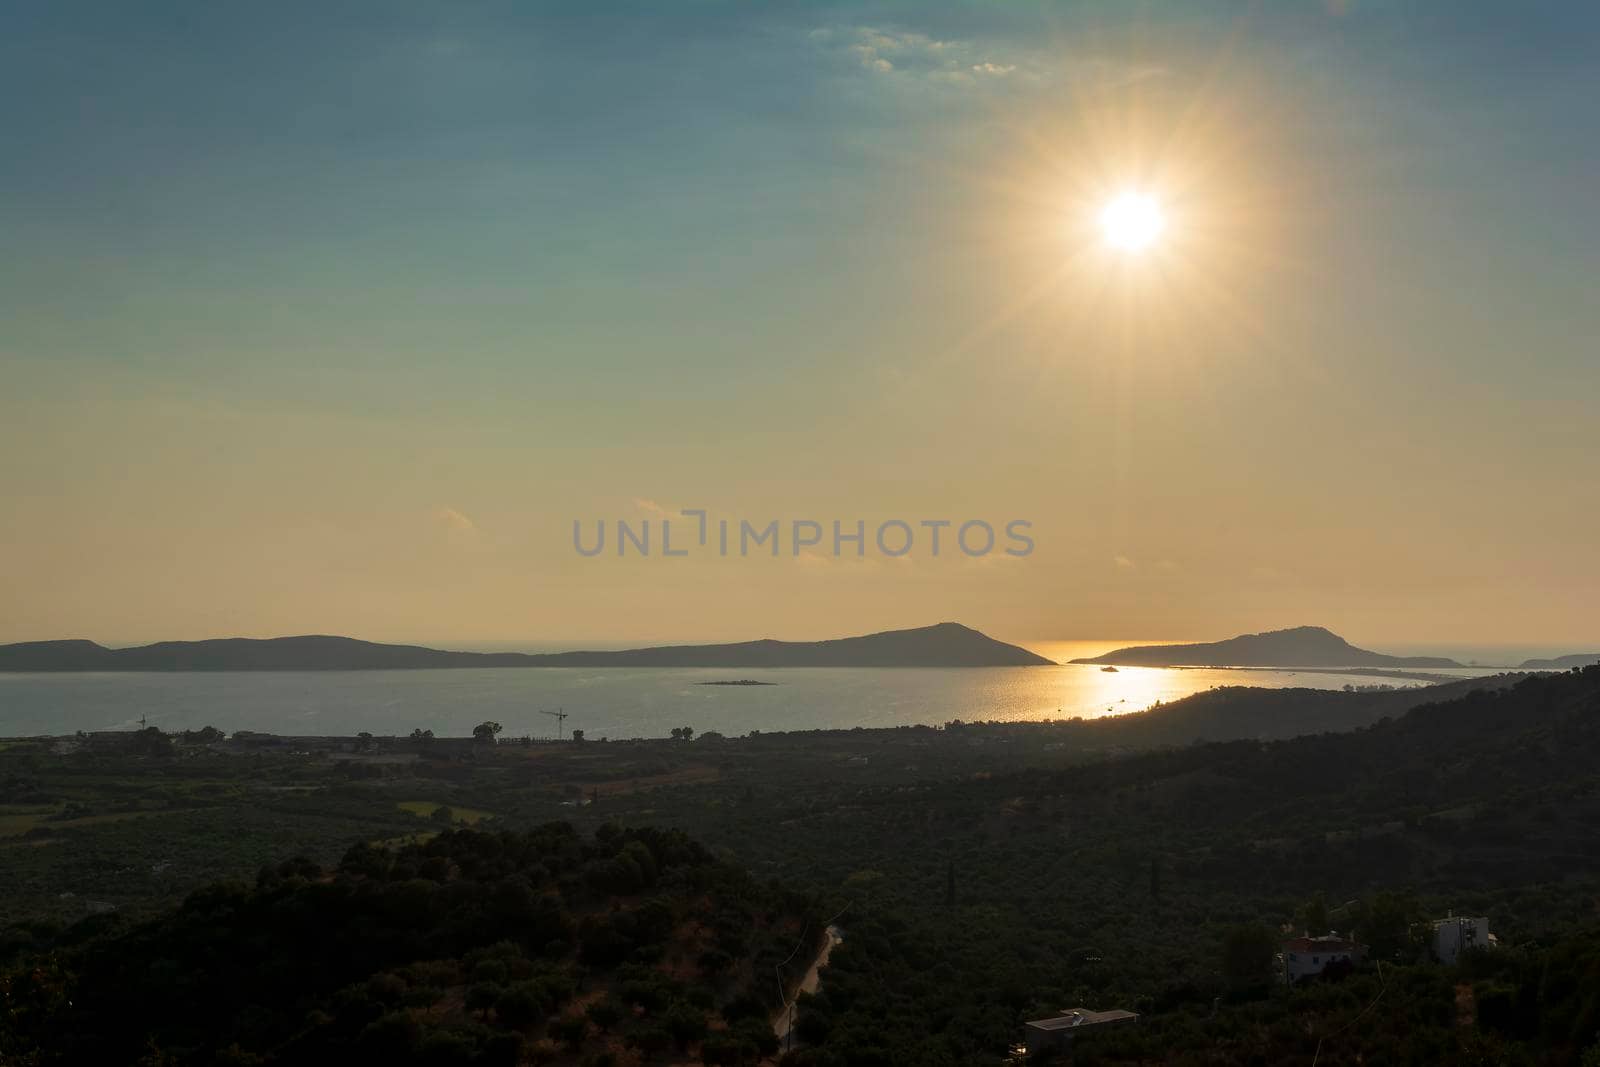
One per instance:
(335, 318)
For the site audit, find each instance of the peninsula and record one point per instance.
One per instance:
(1301, 646)
(946, 644)
(1561, 663)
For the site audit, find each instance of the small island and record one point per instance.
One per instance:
(738, 681)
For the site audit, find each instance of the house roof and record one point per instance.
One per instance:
(1078, 1017)
(1321, 944)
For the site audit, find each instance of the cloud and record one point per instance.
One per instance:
(910, 55)
(1123, 563)
(877, 49)
(458, 529)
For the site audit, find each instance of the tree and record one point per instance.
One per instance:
(151, 742)
(1314, 916)
(519, 1006)
(651, 1039)
(714, 961)
(420, 735)
(685, 1025)
(571, 1029)
(604, 1013)
(577, 736)
(391, 1037)
(486, 732)
(1387, 924)
(482, 996)
(1247, 956)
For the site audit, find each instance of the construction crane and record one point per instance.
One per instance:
(559, 716)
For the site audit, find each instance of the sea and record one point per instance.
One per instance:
(615, 702)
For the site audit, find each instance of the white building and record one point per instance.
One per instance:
(1454, 934)
(1307, 957)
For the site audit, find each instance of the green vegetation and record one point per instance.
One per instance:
(429, 809)
(983, 873)
(472, 948)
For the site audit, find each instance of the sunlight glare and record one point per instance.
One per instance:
(1132, 222)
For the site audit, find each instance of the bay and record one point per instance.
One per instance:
(616, 702)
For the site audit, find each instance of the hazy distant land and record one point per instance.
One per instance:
(946, 644)
(1577, 659)
(1301, 646)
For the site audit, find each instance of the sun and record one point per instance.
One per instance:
(1132, 221)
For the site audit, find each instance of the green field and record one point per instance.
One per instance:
(462, 816)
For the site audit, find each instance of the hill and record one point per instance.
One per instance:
(1561, 663)
(983, 874)
(1066, 886)
(947, 644)
(1238, 712)
(472, 948)
(1300, 646)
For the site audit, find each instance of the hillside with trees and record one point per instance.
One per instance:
(472, 948)
(982, 874)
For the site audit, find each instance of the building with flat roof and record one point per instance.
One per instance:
(1308, 957)
(1057, 1032)
(1454, 934)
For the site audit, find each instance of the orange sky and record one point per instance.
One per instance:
(287, 365)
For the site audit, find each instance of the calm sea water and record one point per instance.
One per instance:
(611, 702)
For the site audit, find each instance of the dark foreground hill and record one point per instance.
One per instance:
(947, 644)
(1301, 646)
(1234, 712)
(1161, 882)
(975, 891)
(490, 949)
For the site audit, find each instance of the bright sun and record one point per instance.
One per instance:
(1132, 222)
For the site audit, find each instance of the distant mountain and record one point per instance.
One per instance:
(1559, 663)
(1302, 646)
(947, 644)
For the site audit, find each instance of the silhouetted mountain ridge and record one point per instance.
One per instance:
(946, 644)
(1299, 646)
(1576, 659)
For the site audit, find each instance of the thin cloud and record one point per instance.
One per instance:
(458, 529)
(910, 55)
